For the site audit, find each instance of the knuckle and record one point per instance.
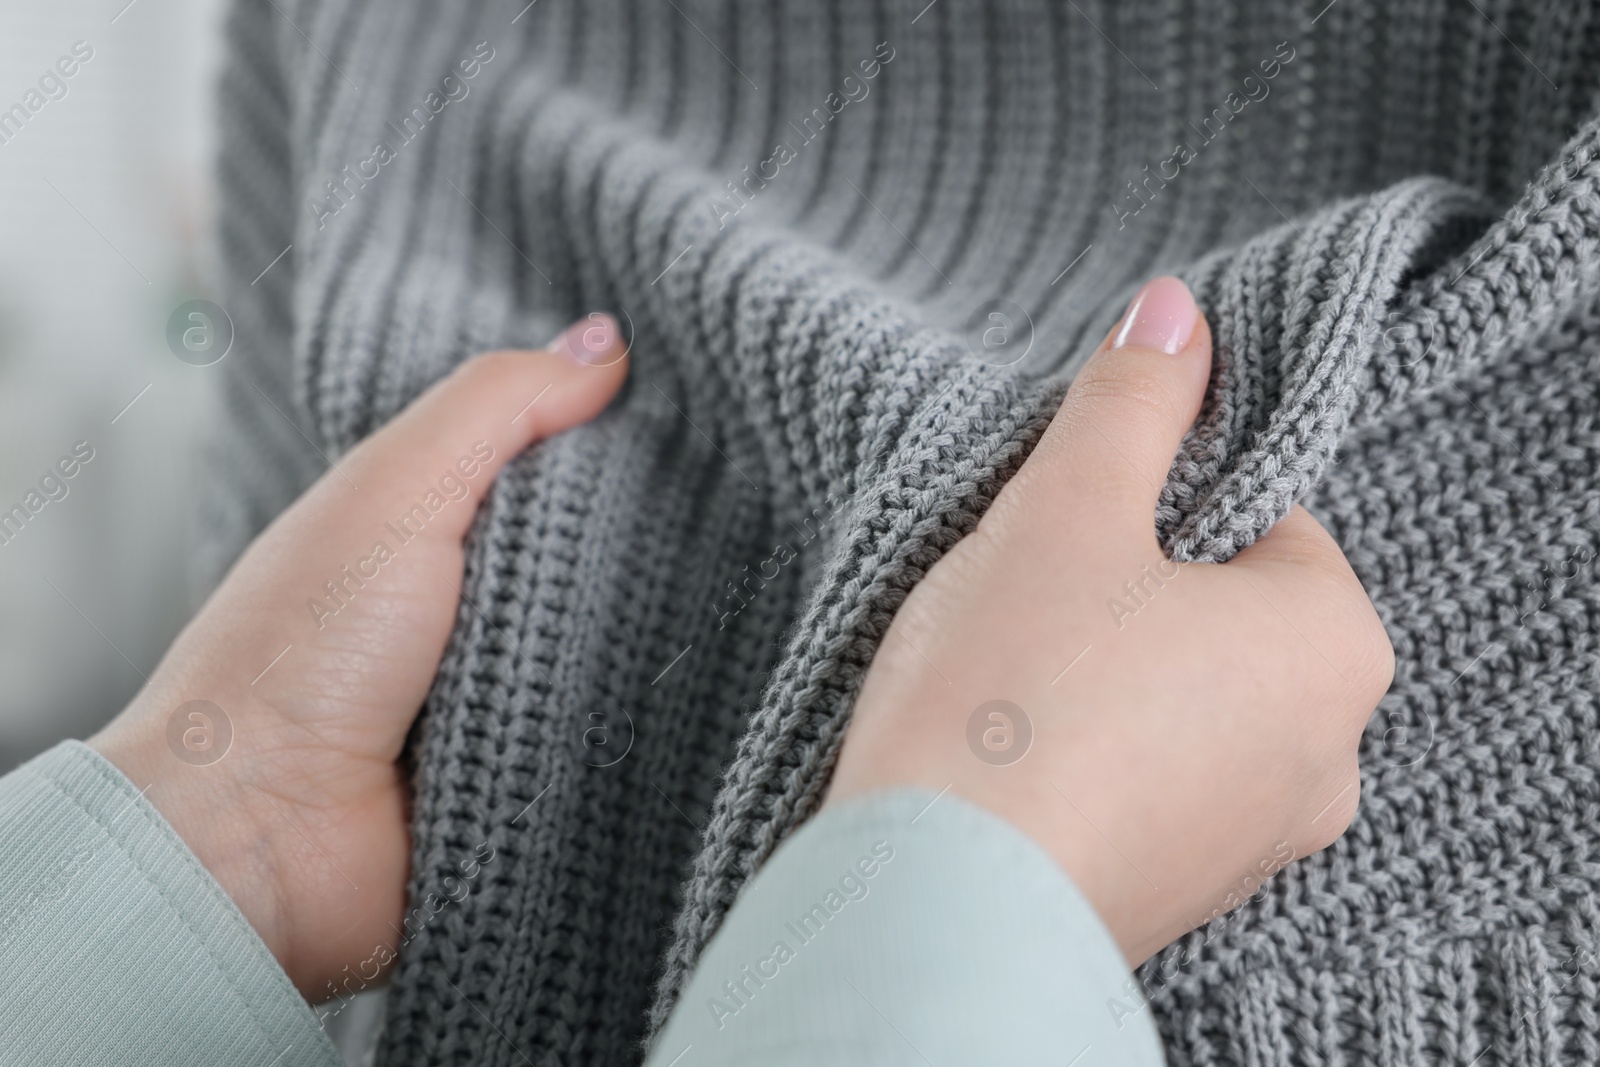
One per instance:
(1377, 663)
(1342, 623)
(1129, 387)
(1369, 657)
(1331, 818)
(493, 368)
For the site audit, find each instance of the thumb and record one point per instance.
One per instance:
(1107, 452)
(454, 439)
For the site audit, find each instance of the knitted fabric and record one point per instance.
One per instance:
(841, 350)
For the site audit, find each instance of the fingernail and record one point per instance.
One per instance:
(591, 341)
(1162, 316)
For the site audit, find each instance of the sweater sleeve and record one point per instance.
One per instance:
(897, 924)
(117, 946)
(910, 928)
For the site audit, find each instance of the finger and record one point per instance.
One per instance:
(1298, 538)
(447, 447)
(1302, 573)
(1106, 454)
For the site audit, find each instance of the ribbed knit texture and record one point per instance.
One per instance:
(1396, 248)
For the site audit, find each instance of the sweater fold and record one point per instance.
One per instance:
(859, 251)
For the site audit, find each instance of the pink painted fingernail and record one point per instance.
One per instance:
(1162, 316)
(592, 341)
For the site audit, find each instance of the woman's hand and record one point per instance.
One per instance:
(1193, 727)
(319, 648)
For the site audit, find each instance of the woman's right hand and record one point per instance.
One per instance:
(1173, 734)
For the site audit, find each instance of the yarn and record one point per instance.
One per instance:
(1393, 237)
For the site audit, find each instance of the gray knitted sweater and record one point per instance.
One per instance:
(860, 248)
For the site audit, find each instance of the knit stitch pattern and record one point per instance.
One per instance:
(1390, 215)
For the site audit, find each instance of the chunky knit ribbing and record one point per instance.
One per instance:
(1391, 215)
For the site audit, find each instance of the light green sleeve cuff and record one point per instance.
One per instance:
(909, 928)
(116, 945)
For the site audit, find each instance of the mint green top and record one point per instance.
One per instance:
(905, 928)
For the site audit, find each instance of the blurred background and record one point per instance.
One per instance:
(105, 187)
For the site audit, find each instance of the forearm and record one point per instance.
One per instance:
(905, 926)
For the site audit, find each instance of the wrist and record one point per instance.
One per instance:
(207, 807)
(1104, 876)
